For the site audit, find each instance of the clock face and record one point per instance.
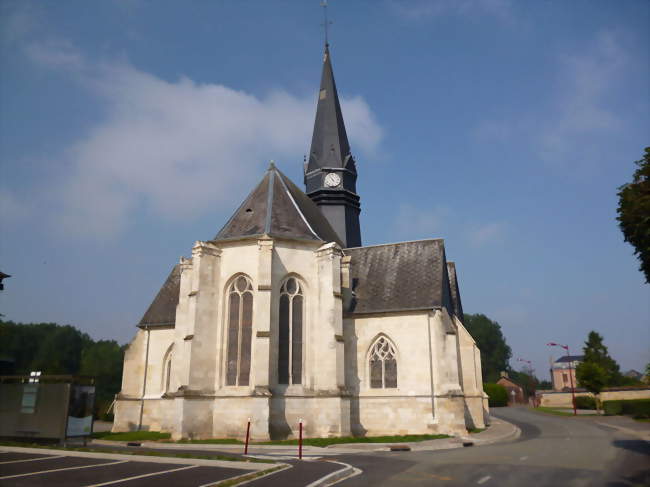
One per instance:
(332, 180)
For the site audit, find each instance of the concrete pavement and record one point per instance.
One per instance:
(551, 451)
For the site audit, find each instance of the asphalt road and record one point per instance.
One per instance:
(552, 451)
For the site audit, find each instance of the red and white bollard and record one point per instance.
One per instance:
(300, 439)
(248, 432)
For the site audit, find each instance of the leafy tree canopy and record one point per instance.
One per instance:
(634, 212)
(61, 350)
(591, 376)
(495, 352)
(595, 352)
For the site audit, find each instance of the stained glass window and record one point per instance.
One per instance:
(383, 364)
(240, 327)
(290, 337)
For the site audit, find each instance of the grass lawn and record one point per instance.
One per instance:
(642, 420)
(132, 436)
(544, 409)
(475, 430)
(353, 439)
(322, 442)
(214, 441)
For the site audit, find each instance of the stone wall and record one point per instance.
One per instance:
(563, 399)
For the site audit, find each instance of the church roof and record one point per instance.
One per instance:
(162, 311)
(329, 143)
(455, 292)
(278, 208)
(399, 277)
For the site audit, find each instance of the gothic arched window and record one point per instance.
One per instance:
(383, 364)
(290, 343)
(240, 327)
(167, 370)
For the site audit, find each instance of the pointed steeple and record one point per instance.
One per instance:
(329, 143)
(330, 171)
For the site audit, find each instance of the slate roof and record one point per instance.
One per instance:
(329, 143)
(162, 311)
(457, 306)
(399, 277)
(570, 358)
(278, 208)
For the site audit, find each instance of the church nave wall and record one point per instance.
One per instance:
(408, 333)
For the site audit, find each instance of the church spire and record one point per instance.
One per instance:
(330, 171)
(329, 143)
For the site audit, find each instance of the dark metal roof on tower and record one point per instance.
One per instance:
(329, 143)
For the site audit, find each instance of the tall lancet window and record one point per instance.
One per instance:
(240, 326)
(383, 364)
(290, 346)
(167, 370)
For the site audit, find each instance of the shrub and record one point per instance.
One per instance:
(639, 408)
(585, 402)
(497, 394)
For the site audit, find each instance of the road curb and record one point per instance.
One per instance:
(644, 435)
(251, 466)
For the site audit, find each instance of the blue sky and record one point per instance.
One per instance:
(129, 129)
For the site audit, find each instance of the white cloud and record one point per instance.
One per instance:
(581, 107)
(570, 126)
(414, 223)
(11, 208)
(176, 148)
(55, 54)
(422, 9)
(486, 233)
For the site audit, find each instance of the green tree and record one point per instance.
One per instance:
(60, 351)
(592, 377)
(103, 360)
(55, 349)
(595, 352)
(495, 352)
(634, 212)
(497, 395)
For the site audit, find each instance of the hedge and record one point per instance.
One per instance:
(585, 402)
(497, 394)
(639, 408)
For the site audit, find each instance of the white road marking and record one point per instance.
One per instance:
(31, 459)
(484, 479)
(245, 482)
(62, 469)
(143, 476)
(523, 458)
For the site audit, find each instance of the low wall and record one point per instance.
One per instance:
(563, 399)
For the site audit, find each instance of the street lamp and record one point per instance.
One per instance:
(573, 393)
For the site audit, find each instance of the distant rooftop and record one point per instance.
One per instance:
(570, 358)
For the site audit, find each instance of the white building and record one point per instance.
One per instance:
(285, 316)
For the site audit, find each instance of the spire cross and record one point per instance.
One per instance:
(326, 23)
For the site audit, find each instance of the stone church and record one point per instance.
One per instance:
(284, 316)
